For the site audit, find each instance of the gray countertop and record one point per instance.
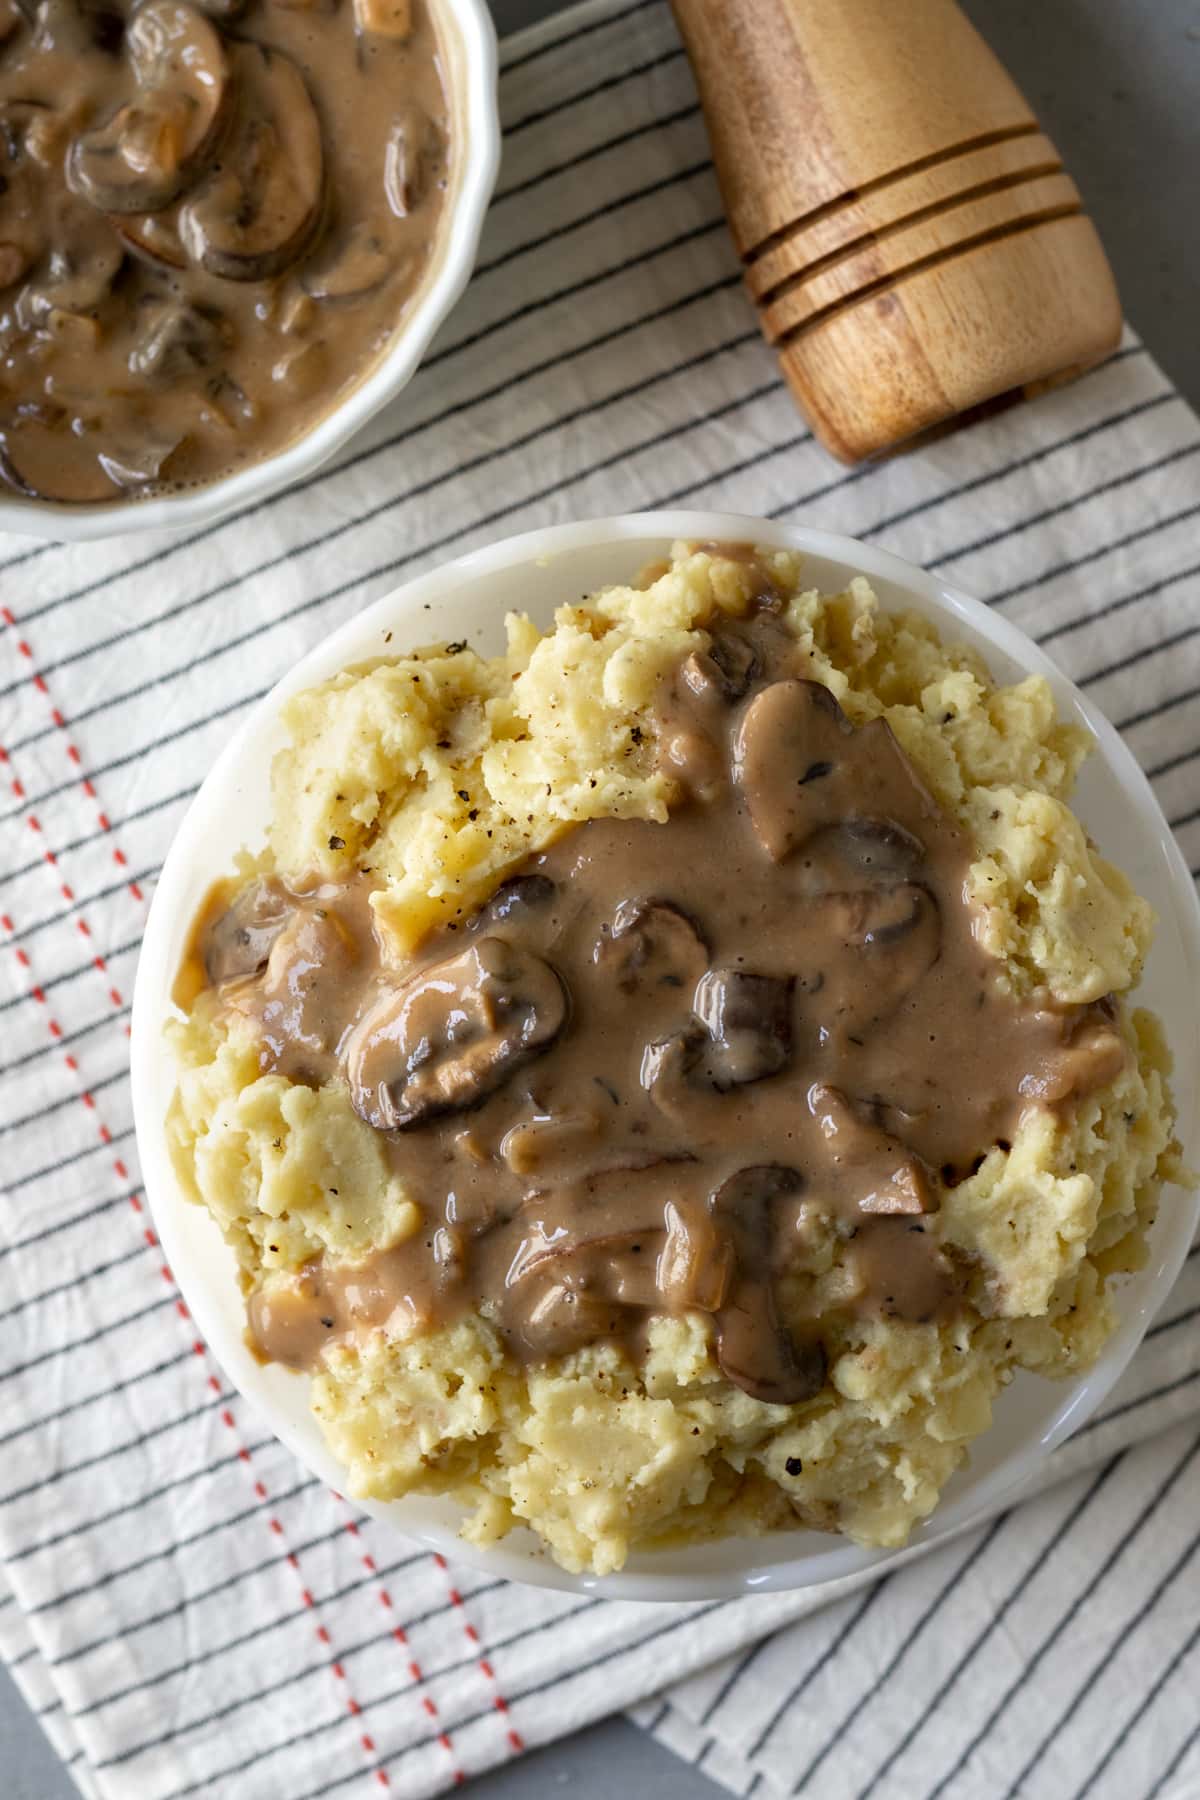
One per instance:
(1116, 83)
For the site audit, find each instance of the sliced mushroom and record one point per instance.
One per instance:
(555, 1146)
(582, 1256)
(1093, 1057)
(561, 1289)
(878, 916)
(671, 1074)
(652, 945)
(564, 1316)
(873, 1171)
(77, 280)
(754, 1348)
(148, 151)
(49, 130)
(42, 459)
(301, 1001)
(413, 150)
(256, 214)
(691, 758)
(356, 264)
(451, 1033)
(11, 472)
(725, 670)
(515, 899)
(77, 27)
(882, 942)
(790, 729)
(696, 1264)
(140, 456)
(593, 1254)
(22, 213)
(241, 939)
(861, 852)
(175, 339)
(790, 762)
(745, 1036)
(152, 236)
(749, 1022)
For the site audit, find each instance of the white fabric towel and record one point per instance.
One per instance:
(187, 1610)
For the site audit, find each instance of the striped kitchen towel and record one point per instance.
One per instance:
(189, 1612)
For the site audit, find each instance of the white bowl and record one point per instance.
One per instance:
(468, 40)
(468, 599)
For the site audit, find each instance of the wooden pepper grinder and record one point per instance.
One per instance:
(911, 239)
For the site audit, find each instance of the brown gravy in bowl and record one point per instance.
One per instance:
(213, 217)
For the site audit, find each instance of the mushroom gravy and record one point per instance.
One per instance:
(667, 1064)
(213, 216)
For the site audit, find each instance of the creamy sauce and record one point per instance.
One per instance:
(212, 220)
(665, 1061)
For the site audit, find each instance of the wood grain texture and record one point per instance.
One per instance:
(910, 236)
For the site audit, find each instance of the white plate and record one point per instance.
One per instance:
(468, 599)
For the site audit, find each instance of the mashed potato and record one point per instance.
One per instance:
(441, 771)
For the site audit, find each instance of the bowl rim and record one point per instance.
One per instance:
(1082, 1396)
(473, 57)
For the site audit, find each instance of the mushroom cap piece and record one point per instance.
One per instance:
(724, 671)
(356, 263)
(75, 280)
(755, 1350)
(882, 942)
(652, 944)
(792, 765)
(239, 942)
(150, 148)
(152, 236)
(23, 222)
(37, 448)
(788, 739)
(515, 899)
(255, 215)
(174, 339)
(880, 1172)
(451, 1033)
(139, 456)
(749, 1022)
